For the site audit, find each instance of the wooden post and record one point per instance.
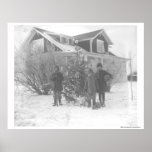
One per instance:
(91, 45)
(131, 78)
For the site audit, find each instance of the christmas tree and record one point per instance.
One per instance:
(75, 80)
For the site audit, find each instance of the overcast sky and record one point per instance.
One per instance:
(124, 37)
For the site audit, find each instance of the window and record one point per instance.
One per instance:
(100, 46)
(66, 40)
(71, 42)
(62, 40)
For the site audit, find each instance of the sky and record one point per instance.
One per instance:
(124, 37)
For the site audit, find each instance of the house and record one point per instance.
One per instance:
(93, 46)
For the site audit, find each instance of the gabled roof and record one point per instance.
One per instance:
(93, 34)
(50, 33)
(80, 37)
(87, 35)
(110, 53)
(63, 47)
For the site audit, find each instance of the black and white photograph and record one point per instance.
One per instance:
(75, 76)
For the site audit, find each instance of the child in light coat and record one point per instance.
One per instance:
(90, 87)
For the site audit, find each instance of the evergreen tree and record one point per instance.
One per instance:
(75, 80)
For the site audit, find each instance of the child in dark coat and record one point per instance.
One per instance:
(57, 78)
(90, 87)
(101, 76)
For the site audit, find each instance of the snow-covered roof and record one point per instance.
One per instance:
(87, 35)
(93, 34)
(63, 47)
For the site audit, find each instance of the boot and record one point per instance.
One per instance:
(54, 103)
(60, 103)
(94, 107)
(89, 103)
(103, 104)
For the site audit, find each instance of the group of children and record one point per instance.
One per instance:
(95, 83)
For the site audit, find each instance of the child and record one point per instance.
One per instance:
(90, 88)
(101, 77)
(57, 78)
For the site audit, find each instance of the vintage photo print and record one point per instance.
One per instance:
(76, 76)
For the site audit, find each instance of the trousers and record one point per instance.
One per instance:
(91, 97)
(102, 97)
(57, 97)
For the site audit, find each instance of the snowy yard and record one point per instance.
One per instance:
(37, 111)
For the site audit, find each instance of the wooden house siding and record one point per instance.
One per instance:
(85, 45)
(94, 44)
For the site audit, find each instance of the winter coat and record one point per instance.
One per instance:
(57, 79)
(90, 85)
(101, 84)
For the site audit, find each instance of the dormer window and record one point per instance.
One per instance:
(63, 40)
(66, 40)
(71, 41)
(100, 46)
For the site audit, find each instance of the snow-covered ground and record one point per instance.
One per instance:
(37, 111)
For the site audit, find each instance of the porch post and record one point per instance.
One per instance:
(91, 45)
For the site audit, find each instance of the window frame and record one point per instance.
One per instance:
(101, 45)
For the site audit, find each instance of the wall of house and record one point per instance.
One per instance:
(85, 45)
(115, 66)
(94, 43)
